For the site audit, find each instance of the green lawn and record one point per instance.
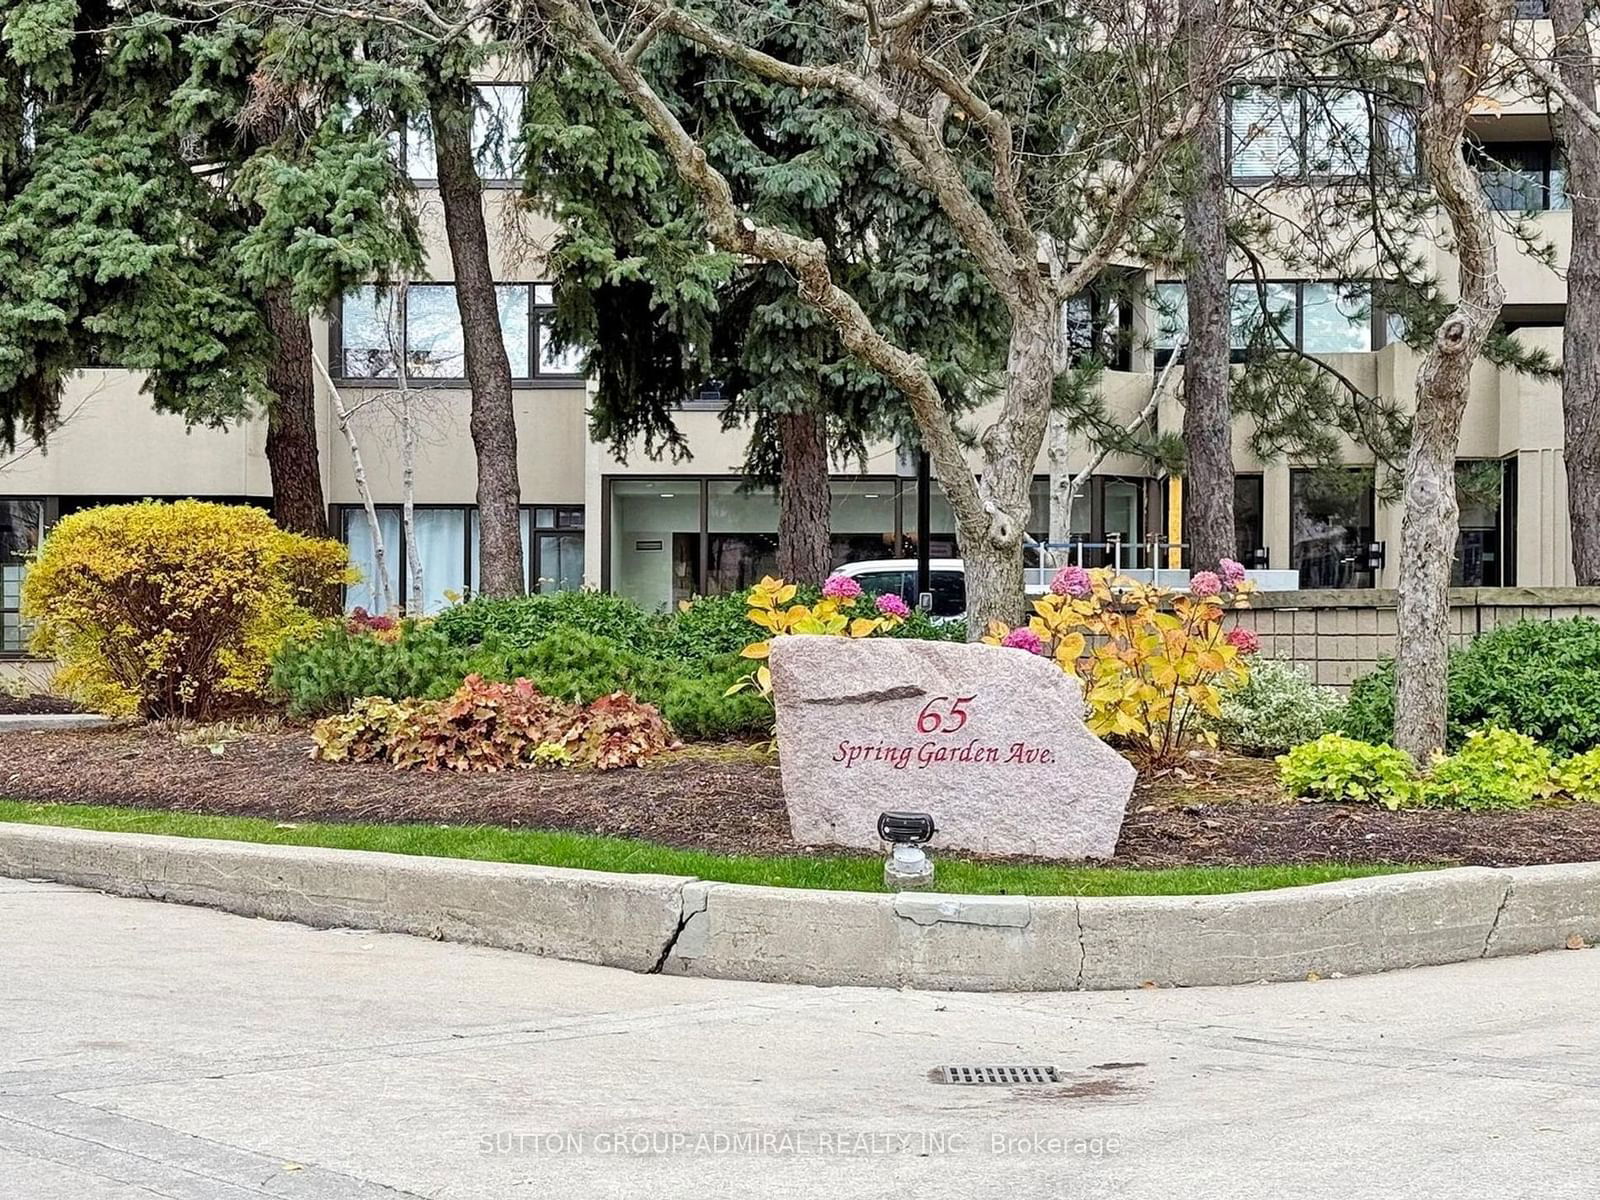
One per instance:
(595, 853)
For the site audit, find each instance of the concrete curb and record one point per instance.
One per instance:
(687, 926)
(48, 722)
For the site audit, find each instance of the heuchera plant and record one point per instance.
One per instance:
(773, 608)
(1151, 659)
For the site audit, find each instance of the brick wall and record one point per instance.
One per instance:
(1341, 635)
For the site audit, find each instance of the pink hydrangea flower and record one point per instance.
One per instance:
(1244, 641)
(1072, 581)
(891, 605)
(841, 587)
(1023, 639)
(1232, 572)
(1204, 583)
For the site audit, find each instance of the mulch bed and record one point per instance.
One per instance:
(728, 799)
(31, 706)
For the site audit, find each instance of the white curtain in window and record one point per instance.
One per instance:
(358, 536)
(1338, 133)
(1265, 125)
(441, 545)
(472, 526)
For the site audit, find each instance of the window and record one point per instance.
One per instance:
(1249, 512)
(1330, 527)
(447, 548)
(1261, 314)
(21, 527)
(1520, 176)
(1317, 317)
(1279, 132)
(1482, 558)
(496, 126)
(1096, 328)
(371, 344)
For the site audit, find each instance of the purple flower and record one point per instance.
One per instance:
(891, 605)
(841, 587)
(1072, 581)
(1204, 583)
(1023, 639)
(1232, 573)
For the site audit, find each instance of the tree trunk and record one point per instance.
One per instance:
(1456, 52)
(493, 421)
(1207, 413)
(992, 530)
(292, 456)
(1580, 342)
(805, 540)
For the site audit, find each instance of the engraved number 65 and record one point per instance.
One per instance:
(951, 720)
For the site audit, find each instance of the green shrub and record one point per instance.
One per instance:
(1578, 777)
(327, 673)
(1495, 768)
(1276, 708)
(520, 621)
(705, 628)
(1541, 678)
(1335, 767)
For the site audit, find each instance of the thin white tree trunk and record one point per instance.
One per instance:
(408, 468)
(358, 469)
(1065, 488)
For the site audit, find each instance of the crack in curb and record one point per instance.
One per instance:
(684, 917)
(1083, 945)
(1499, 912)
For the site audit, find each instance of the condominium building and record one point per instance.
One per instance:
(662, 531)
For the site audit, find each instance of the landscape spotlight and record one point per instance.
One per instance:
(907, 866)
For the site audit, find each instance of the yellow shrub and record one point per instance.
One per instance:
(174, 609)
(1151, 660)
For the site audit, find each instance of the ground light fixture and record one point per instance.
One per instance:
(907, 867)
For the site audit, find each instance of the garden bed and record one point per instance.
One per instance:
(35, 706)
(728, 799)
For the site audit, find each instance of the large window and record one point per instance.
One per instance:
(1317, 316)
(1320, 132)
(447, 548)
(1520, 176)
(420, 325)
(1331, 527)
(496, 126)
(21, 527)
(1098, 328)
(1106, 524)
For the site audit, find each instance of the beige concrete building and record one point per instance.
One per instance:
(662, 531)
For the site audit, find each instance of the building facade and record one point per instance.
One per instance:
(662, 531)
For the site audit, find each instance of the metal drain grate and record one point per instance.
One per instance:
(1000, 1076)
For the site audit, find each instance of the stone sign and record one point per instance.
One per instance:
(989, 740)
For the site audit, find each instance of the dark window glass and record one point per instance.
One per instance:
(1248, 513)
(737, 561)
(1520, 176)
(21, 526)
(1480, 551)
(949, 593)
(1330, 528)
(559, 565)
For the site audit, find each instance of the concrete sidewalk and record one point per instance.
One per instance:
(152, 1050)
